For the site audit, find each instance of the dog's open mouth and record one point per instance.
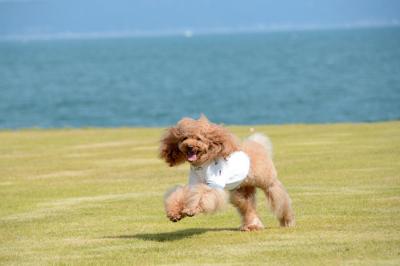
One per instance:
(191, 155)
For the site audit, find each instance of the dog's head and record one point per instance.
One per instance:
(196, 141)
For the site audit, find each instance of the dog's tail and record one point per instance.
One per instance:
(263, 140)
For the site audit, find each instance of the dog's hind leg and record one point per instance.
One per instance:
(245, 202)
(280, 203)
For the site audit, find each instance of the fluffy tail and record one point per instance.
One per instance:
(263, 140)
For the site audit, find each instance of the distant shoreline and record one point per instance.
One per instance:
(138, 127)
(192, 32)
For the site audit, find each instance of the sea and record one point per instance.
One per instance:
(283, 77)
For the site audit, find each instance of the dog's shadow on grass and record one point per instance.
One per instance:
(172, 236)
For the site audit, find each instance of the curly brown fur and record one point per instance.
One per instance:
(199, 142)
(201, 137)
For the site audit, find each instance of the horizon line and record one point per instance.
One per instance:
(189, 32)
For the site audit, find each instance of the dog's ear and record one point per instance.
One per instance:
(169, 150)
(223, 143)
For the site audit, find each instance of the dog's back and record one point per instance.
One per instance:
(259, 148)
(263, 140)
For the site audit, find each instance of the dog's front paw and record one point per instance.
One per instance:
(190, 212)
(176, 217)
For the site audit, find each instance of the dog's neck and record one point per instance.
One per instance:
(204, 164)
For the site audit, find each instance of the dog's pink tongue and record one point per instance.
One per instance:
(192, 157)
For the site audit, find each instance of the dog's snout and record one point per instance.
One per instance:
(191, 148)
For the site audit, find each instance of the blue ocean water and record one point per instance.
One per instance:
(264, 78)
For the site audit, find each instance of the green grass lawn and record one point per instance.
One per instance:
(95, 196)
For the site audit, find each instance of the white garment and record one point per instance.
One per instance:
(222, 173)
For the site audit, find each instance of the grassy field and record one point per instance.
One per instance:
(94, 196)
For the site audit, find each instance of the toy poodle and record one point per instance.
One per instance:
(219, 163)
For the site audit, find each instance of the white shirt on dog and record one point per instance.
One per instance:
(222, 173)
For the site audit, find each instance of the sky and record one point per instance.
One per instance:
(35, 17)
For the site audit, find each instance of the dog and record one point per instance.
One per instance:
(219, 163)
